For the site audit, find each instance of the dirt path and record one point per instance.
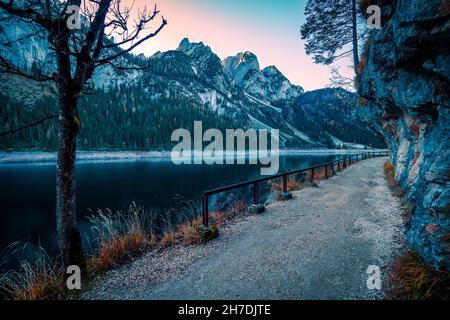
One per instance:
(316, 246)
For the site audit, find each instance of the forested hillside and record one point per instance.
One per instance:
(139, 109)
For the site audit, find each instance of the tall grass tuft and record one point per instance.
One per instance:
(389, 173)
(413, 279)
(36, 278)
(188, 232)
(120, 236)
(116, 237)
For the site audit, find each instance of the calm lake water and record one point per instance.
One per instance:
(27, 191)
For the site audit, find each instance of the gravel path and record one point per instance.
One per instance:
(316, 246)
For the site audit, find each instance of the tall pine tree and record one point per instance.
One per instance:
(331, 26)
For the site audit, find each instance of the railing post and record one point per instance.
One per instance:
(344, 164)
(285, 195)
(255, 194)
(312, 175)
(205, 211)
(285, 190)
(207, 233)
(256, 208)
(326, 171)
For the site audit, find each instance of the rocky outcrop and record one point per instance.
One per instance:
(268, 85)
(404, 84)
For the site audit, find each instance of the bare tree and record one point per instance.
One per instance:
(79, 52)
(337, 79)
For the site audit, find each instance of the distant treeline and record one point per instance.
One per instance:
(122, 118)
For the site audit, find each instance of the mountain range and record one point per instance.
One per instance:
(138, 109)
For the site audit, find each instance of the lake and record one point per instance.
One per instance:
(27, 191)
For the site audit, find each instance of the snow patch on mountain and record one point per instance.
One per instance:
(262, 102)
(300, 134)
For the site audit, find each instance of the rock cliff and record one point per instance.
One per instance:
(404, 84)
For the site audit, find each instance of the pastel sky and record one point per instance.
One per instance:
(268, 28)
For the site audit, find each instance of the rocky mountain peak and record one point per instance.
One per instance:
(270, 71)
(193, 48)
(238, 66)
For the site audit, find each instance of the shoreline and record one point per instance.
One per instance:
(35, 157)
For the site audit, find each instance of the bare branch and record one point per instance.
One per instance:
(27, 13)
(122, 52)
(338, 80)
(7, 67)
(28, 125)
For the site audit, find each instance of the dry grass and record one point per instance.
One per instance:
(237, 209)
(41, 279)
(122, 248)
(218, 217)
(120, 237)
(187, 233)
(320, 174)
(222, 216)
(362, 101)
(413, 279)
(389, 173)
(291, 186)
(116, 238)
(168, 239)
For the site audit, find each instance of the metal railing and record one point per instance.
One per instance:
(345, 161)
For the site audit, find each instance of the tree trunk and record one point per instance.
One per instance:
(355, 37)
(69, 238)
